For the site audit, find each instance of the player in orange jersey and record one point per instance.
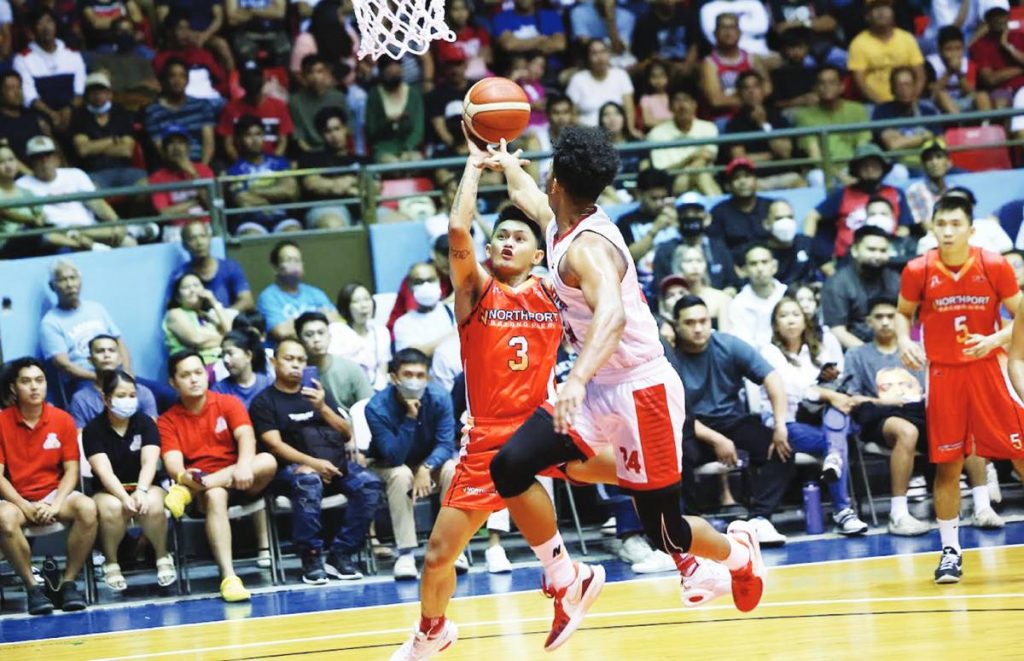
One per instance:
(957, 289)
(510, 331)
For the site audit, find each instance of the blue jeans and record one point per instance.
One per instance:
(829, 437)
(306, 491)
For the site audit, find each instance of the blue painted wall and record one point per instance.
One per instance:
(131, 284)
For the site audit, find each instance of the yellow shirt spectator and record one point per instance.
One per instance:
(877, 58)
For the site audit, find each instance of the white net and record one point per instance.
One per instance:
(395, 27)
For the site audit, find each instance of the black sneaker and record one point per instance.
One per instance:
(343, 568)
(950, 566)
(38, 604)
(313, 568)
(71, 597)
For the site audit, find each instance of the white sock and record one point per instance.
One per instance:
(949, 533)
(554, 557)
(739, 556)
(980, 496)
(898, 508)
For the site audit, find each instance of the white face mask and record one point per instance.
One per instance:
(124, 407)
(882, 221)
(784, 229)
(427, 294)
(411, 388)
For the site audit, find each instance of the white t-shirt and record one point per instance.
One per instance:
(62, 214)
(800, 380)
(588, 94)
(1017, 123)
(369, 352)
(447, 363)
(415, 328)
(750, 316)
(988, 235)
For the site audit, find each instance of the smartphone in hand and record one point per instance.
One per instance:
(309, 374)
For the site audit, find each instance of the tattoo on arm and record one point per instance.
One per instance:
(458, 254)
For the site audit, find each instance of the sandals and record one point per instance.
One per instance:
(165, 572)
(263, 558)
(113, 577)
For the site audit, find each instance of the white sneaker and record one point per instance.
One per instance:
(405, 568)
(848, 523)
(831, 468)
(917, 489)
(908, 526)
(420, 646)
(635, 549)
(708, 581)
(766, 533)
(572, 603)
(497, 561)
(658, 561)
(608, 527)
(995, 493)
(461, 564)
(987, 519)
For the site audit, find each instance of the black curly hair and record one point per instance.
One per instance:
(585, 162)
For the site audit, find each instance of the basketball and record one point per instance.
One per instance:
(496, 108)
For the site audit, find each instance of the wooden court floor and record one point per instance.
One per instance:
(871, 608)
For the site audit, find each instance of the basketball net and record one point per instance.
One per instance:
(395, 27)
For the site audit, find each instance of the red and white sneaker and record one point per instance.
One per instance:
(709, 580)
(423, 646)
(572, 603)
(747, 583)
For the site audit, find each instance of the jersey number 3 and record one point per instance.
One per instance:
(521, 346)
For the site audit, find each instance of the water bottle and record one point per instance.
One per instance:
(52, 579)
(812, 509)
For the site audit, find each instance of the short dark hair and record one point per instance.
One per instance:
(749, 73)
(344, 300)
(408, 356)
(828, 67)
(896, 71)
(880, 198)
(726, 14)
(325, 115)
(512, 213)
(964, 192)
(653, 178)
(291, 339)
(585, 162)
(307, 318)
(172, 62)
(875, 301)
(870, 230)
(752, 246)
(554, 99)
(246, 122)
(247, 319)
(10, 374)
(948, 33)
(954, 203)
(10, 73)
(795, 36)
(275, 252)
(39, 13)
(101, 336)
(686, 302)
(109, 380)
(313, 59)
(179, 357)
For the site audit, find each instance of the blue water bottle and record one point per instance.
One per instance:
(813, 515)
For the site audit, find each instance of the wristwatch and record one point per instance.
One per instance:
(142, 489)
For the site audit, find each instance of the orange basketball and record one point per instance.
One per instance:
(496, 108)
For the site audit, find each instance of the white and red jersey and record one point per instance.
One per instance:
(640, 343)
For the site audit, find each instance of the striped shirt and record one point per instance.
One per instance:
(193, 116)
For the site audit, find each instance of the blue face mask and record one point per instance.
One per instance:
(99, 110)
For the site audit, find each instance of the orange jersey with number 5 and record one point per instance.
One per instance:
(509, 345)
(957, 304)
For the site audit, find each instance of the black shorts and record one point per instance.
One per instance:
(871, 417)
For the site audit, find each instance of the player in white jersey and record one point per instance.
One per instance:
(622, 396)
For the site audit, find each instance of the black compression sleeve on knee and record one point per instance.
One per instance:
(662, 517)
(534, 447)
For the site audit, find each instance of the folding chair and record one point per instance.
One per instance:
(988, 152)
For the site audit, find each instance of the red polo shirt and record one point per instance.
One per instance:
(206, 439)
(33, 457)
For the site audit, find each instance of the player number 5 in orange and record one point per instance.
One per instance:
(962, 332)
(1015, 441)
(522, 359)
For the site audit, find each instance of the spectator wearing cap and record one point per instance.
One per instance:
(52, 75)
(757, 114)
(174, 108)
(332, 128)
(792, 251)
(255, 191)
(599, 83)
(739, 218)
(527, 27)
(922, 194)
(272, 114)
(953, 76)
(103, 137)
(833, 222)
(444, 104)
(206, 77)
(79, 218)
(831, 109)
(685, 125)
(693, 223)
(185, 203)
(257, 25)
(906, 103)
(317, 92)
(999, 53)
(655, 221)
(670, 289)
(879, 49)
(17, 123)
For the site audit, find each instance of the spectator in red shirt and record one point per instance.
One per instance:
(188, 203)
(272, 113)
(205, 75)
(999, 56)
(38, 476)
(209, 449)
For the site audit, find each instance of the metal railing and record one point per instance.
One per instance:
(217, 190)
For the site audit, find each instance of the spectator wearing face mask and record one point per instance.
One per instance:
(405, 300)
(287, 297)
(432, 321)
(693, 222)
(791, 251)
